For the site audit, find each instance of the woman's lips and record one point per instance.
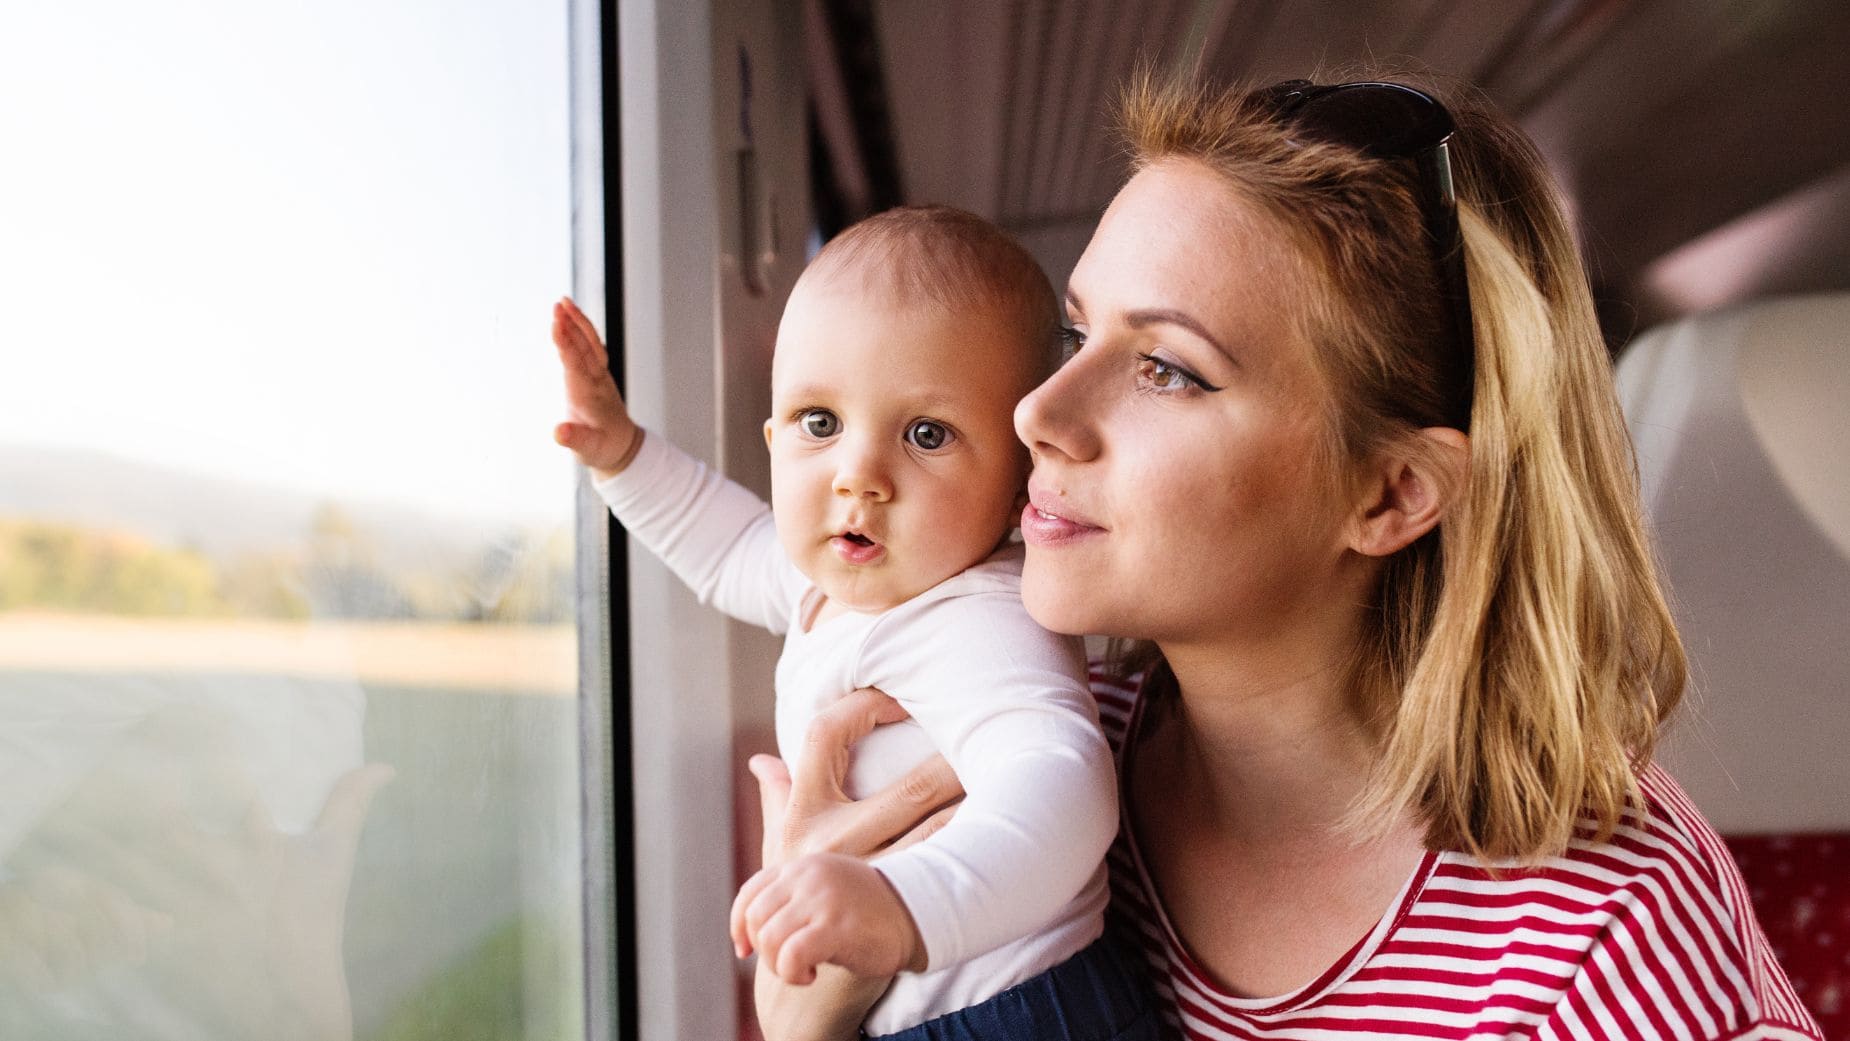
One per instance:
(1041, 528)
(856, 552)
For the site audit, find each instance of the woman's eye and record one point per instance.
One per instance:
(928, 435)
(1161, 375)
(819, 423)
(1071, 340)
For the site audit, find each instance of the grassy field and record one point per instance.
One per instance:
(463, 917)
(529, 659)
(465, 905)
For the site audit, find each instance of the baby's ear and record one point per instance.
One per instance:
(767, 433)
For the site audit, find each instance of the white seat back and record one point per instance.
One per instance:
(1742, 424)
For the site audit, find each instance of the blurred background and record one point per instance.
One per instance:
(278, 500)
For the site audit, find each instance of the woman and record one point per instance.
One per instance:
(1341, 453)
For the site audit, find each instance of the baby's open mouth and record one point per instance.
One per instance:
(856, 549)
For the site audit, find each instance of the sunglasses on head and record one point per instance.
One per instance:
(1390, 121)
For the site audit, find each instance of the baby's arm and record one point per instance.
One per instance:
(713, 533)
(1007, 704)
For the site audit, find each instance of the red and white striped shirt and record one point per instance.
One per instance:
(1648, 935)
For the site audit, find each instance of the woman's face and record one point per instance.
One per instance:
(1174, 494)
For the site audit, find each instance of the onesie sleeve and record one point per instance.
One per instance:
(714, 534)
(1008, 704)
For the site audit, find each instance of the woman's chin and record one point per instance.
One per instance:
(1070, 608)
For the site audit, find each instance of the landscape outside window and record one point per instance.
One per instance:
(288, 719)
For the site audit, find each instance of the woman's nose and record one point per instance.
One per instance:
(861, 472)
(1055, 417)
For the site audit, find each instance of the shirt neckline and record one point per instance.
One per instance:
(1329, 979)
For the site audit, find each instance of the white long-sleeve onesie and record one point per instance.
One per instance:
(1015, 884)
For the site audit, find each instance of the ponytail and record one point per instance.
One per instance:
(1548, 656)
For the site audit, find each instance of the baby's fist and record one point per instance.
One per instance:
(825, 907)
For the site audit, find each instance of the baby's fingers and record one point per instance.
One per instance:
(587, 333)
(575, 353)
(585, 440)
(800, 953)
(595, 447)
(792, 943)
(741, 909)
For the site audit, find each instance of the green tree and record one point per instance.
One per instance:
(68, 568)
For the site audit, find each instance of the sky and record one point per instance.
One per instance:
(304, 244)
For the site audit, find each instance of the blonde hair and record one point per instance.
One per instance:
(1520, 658)
(951, 259)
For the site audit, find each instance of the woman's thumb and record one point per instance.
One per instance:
(774, 797)
(773, 779)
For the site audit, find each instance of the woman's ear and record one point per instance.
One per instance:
(1407, 489)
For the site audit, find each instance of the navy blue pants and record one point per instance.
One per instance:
(1099, 994)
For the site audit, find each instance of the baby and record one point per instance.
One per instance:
(884, 556)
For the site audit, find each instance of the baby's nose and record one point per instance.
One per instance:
(862, 476)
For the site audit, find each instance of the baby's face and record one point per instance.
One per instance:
(894, 462)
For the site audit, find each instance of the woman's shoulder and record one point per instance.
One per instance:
(1644, 932)
(1654, 915)
(1663, 852)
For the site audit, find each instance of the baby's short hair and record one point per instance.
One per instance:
(954, 260)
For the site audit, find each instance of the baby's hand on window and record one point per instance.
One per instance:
(599, 430)
(825, 907)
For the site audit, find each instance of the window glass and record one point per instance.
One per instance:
(288, 717)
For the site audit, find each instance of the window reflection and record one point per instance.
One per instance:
(288, 719)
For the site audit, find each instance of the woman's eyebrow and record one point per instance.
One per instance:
(1159, 316)
(1169, 316)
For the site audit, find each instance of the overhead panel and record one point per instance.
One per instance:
(1662, 120)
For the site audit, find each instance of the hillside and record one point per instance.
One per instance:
(217, 516)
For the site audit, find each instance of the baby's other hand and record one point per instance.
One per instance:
(599, 430)
(825, 907)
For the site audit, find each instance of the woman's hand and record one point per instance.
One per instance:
(811, 814)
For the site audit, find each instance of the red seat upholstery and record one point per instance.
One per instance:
(1800, 885)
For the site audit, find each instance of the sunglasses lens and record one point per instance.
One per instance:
(1384, 120)
(1389, 121)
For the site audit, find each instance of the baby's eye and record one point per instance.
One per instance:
(928, 435)
(819, 423)
(1071, 340)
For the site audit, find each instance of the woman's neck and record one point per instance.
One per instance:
(1271, 743)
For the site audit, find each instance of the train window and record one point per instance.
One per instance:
(289, 668)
